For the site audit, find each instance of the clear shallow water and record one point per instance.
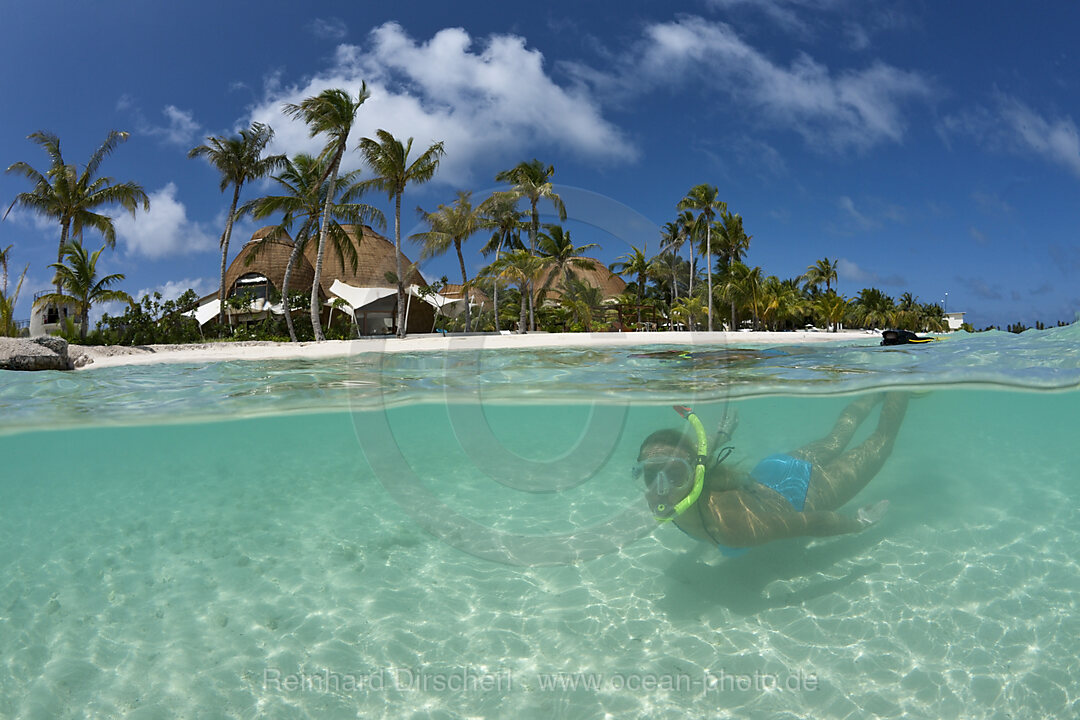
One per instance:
(369, 521)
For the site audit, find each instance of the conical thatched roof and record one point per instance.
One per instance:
(476, 295)
(598, 276)
(374, 258)
(270, 259)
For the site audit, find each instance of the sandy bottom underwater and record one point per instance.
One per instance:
(257, 569)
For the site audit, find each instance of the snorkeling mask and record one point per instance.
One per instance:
(664, 474)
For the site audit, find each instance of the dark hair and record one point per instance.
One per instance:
(673, 438)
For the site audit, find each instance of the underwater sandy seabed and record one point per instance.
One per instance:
(257, 568)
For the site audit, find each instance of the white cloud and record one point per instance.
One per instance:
(174, 288)
(851, 109)
(848, 270)
(328, 28)
(164, 230)
(180, 127)
(848, 206)
(1012, 126)
(45, 225)
(169, 291)
(856, 20)
(485, 99)
(1053, 139)
(783, 13)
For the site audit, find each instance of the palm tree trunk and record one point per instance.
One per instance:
(730, 263)
(690, 282)
(293, 257)
(316, 324)
(397, 259)
(523, 319)
(84, 320)
(64, 229)
(534, 230)
(464, 283)
(496, 286)
(640, 289)
(225, 249)
(708, 266)
(674, 291)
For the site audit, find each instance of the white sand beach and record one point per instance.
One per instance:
(112, 356)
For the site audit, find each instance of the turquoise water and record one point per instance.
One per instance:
(457, 536)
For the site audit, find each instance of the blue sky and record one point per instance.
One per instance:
(930, 147)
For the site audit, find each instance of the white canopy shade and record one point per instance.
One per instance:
(359, 297)
(205, 313)
(443, 304)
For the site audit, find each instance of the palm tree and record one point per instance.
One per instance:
(8, 326)
(304, 200)
(65, 195)
(4, 254)
(84, 288)
(752, 282)
(689, 308)
(450, 226)
(238, 159)
(873, 308)
(532, 181)
(634, 263)
(822, 271)
(581, 299)
(672, 237)
(932, 317)
(733, 243)
(831, 308)
(558, 252)
(332, 113)
(691, 231)
(502, 216)
(388, 158)
(519, 267)
(702, 199)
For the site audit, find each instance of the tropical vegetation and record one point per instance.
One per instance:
(238, 159)
(546, 282)
(80, 284)
(70, 197)
(307, 198)
(388, 159)
(9, 326)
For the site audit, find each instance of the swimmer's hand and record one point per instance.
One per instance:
(871, 514)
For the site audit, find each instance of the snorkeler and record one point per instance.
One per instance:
(789, 495)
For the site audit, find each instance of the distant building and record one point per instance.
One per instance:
(597, 275)
(365, 292)
(48, 318)
(955, 320)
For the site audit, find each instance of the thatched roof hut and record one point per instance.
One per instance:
(374, 255)
(476, 295)
(269, 258)
(263, 258)
(374, 259)
(598, 275)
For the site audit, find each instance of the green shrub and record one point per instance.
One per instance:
(151, 322)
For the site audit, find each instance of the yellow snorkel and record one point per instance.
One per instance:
(699, 472)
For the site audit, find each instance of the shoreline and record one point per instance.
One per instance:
(103, 356)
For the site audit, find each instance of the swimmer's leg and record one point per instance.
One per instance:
(834, 483)
(829, 447)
